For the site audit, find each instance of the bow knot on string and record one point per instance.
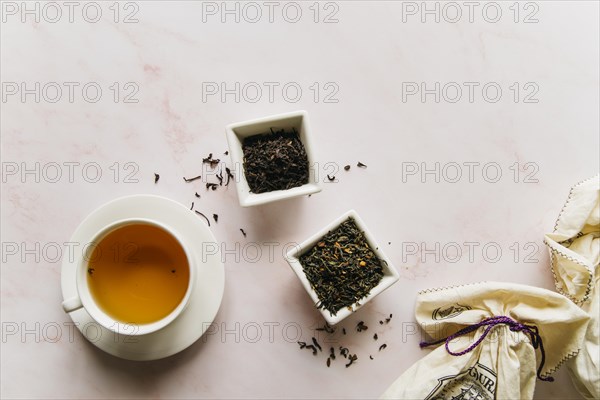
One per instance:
(490, 323)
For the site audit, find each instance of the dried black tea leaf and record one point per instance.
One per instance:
(229, 175)
(209, 160)
(352, 358)
(327, 328)
(216, 217)
(313, 348)
(302, 344)
(192, 179)
(375, 337)
(344, 352)
(341, 267)
(197, 195)
(331, 178)
(347, 168)
(361, 165)
(316, 343)
(275, 161)
(328, 362)
(361, 327)
(192, 207)
(156, 177)
(243, 232)
(383, 346)
(199, 213)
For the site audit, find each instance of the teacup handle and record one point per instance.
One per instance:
(72, 304)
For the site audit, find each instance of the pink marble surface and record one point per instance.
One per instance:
(370, 57)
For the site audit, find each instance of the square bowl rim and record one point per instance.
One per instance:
(390, 276)
(254, 199)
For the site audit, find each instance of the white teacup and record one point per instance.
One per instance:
(84, 298)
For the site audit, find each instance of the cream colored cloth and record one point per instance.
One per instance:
(575, 253)
(504, 364)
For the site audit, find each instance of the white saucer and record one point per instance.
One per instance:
(206, 298)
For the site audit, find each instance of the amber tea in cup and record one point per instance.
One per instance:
(138, 273)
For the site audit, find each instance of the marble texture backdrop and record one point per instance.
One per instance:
(473, 120)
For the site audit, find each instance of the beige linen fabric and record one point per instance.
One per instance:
(575, 253)
(504, 364)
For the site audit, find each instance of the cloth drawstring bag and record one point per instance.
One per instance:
(575, 254)
(493, 341)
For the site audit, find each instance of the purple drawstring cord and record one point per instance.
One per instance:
(531, 330)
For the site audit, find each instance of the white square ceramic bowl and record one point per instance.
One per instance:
(235, 137)
(390, 275)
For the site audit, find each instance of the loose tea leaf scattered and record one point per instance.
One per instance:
(275, 161)
(192, 179)
(229, 175)
(371, 357)
(347, 168)
(344, 331)
(313, 348)
(192, 207)
(226, 153)
(243, 233)
(212, 186)
(342, 268)
(352, 358)
(302, 344)
(199, 213)
(216, 217)
(156, 177)
(361, 165)
(327, 328)
(332, 353)
(197, 195)
(383, 346)
(361, 327)
(328, 362)
(375, 337)
(331, 178)
(344, 352)
(209, 160)
(316, 343)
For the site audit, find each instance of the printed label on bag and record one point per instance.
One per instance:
(448, 311)
(475, 383)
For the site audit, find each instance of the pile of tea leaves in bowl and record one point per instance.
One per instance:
(341, 267)
(275, 161)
